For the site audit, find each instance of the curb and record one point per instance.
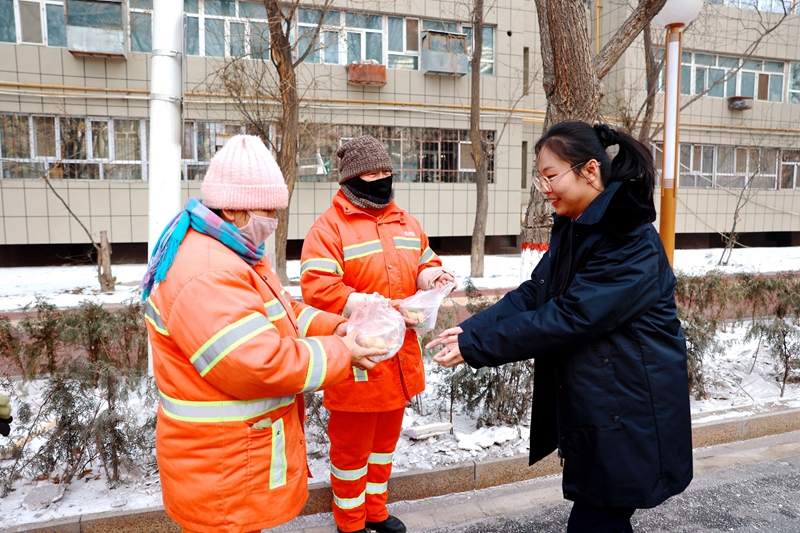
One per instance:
(425, 484)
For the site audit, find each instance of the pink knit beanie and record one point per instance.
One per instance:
(244, 175)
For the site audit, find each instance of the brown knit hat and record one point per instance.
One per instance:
(361, 155)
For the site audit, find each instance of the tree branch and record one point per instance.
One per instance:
(630, 29)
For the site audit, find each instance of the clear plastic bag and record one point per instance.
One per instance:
(424, 307)
(380, 326)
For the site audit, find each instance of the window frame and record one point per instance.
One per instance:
(43, 23)
(485, 70)
(732, 86)
(405, 52)
(139, 11)
(103, 165)
(200, 17)
(792, 90)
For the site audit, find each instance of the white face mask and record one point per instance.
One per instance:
(258, 228)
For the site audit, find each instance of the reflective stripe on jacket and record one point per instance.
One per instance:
(349, 249)
(229, 363)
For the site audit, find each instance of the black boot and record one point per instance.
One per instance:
(359, 531)
(390, 525)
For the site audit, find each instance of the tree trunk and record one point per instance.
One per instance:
(573, 92)
(107, 281)
(571, 80)
(478, 149)
(287, 160)
(651, 73)
(281, 54)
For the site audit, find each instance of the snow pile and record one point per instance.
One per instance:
(67, 286)
(742, 379)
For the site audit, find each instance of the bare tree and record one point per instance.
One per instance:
(268, 95)
(642, 117)
(479, 145)
(72, 136)
(103, 249)
(572, 77)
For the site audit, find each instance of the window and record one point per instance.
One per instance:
(364, 36)
(790, 169)
(794, 83)
(419, 155)
(438, 25)
(730, 167)
(325, 48)
(94, 14)
(141, 24)
(30, 21)
(776, 6)
(524, 165)
(56, 25)
(71, 147)
(226, 28)
(40, 22)
(487, 53)
(403, 43)
(762, 80)
(696, 166)
(525, 72)
(201, 140)
(726, 76)
(8, 29)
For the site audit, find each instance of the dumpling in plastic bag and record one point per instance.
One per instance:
(380, 326)
(423, 307)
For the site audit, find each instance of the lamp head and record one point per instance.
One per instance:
(678, 12)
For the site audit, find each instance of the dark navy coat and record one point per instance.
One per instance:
(610, 389)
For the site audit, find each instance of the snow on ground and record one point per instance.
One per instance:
(740, 379)
(67, 286)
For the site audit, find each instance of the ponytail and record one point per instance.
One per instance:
(577, 142)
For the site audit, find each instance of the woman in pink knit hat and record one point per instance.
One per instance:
(233, 354)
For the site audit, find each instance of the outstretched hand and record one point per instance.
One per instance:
(450, 354)
(360, 356)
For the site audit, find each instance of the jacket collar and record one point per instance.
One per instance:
(615, 209)
(344, 205)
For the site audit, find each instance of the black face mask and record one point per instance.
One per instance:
(372, 190)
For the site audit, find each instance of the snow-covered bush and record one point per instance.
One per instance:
(97, 409)
(499, 395)
(782, 336)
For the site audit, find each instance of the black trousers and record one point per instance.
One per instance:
(591, 519)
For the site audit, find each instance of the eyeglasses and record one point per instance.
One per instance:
(545, 184)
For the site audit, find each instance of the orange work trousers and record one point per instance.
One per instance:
(362, 447)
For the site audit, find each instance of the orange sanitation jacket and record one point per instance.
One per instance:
(350, 249)
(232, 355)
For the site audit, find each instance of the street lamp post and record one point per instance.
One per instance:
(674, 16)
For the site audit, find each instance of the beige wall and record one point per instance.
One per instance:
(32, 215)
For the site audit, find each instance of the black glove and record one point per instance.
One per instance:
(5, 416)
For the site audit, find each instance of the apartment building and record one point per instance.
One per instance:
(74, 103)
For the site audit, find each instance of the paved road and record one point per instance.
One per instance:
(761, 497)
(747, 486)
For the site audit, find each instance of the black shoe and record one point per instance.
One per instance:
(359, 531)
(390, 525)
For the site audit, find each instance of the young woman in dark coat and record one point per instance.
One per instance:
(598, 315)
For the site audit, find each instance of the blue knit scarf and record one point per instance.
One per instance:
(201, 219)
